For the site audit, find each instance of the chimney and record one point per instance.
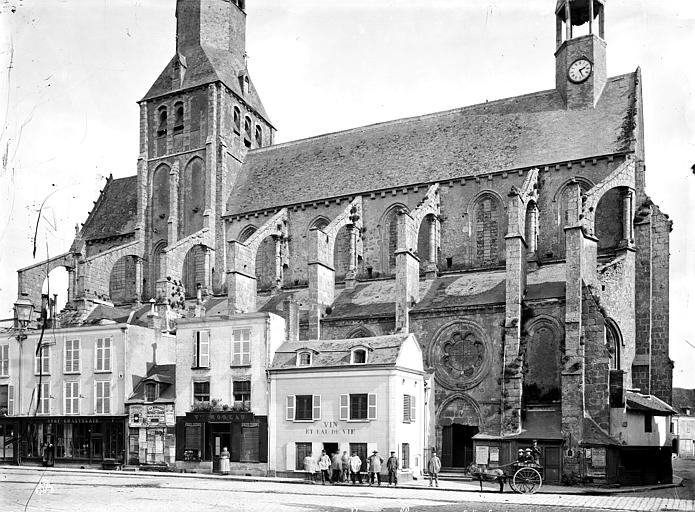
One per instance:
(290, 312)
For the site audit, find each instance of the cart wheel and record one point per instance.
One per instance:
(526, 481)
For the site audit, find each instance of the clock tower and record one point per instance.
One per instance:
(580, 60)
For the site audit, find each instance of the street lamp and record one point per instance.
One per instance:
(23, 309)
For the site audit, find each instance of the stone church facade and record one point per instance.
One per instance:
(515, 238)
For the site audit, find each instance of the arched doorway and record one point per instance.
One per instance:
(459, 420)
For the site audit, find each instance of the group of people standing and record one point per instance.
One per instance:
(348, 468)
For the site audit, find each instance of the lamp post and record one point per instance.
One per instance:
(23, 309)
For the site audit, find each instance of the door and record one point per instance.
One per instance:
(551, 464)
(219, 441)
(457, 445)
(96, 449)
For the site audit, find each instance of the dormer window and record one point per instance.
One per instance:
(151, 391)
(304, 358)
(246, 83)
(358, 356)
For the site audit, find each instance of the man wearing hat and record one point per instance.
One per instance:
(434, 466)
(375, 462)
(392, 466)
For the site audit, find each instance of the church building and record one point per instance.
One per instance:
(514, 238)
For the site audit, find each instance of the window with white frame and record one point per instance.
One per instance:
(72, 398)
(102, 397)
(241, 390)
(6, 400)
(201, 391)
(303, 408)
(72, 356)
(42, 360)
(43, 397)
(4, 360)
(241, 347)
(409, 409)
(201, 349)
(358, 406)
(358, 356)
(103, 355)
(304, 358)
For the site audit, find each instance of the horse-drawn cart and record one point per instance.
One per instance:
(523, 477)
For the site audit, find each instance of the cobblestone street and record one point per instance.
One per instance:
(56, 490)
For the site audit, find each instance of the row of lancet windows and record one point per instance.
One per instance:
(251, 134)
(248, 128)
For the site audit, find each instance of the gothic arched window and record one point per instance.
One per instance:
(487, 230)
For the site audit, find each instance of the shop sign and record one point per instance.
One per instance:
(223, 416)
(494, 454)
(331, 428)
(151, 415)
(135, 416)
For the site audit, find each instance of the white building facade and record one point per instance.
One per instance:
(355, 395)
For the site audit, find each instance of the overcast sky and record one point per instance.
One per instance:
(70, 118)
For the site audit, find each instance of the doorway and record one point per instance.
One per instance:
(457, 445)
(97, 447)
(218, 441)
(330, 448)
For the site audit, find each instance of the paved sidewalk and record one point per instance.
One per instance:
(421, 483)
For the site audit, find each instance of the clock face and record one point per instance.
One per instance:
(579, 70)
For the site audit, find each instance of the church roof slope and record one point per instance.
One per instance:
(513, 133)
(115, 211)
(205, 65)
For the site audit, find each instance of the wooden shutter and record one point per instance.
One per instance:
(290, 454)
(204, 349)
(344, 406)
(10, 400)
(235, 450)
(289, 410)
(262, 441)
(406, 408)
(371, 406)
(66, 385)
(195, 349)
(317, 407)
(76, 410)
(413, 408)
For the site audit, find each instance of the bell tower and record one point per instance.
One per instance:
(580, 57)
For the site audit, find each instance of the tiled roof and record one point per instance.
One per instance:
(382, 350)
(595, 435)
(165, 374)
(513, 133)
(115, 211)
(377, 298)
(206, 65)
(648, 403)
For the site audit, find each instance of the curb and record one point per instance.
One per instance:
(592, 491)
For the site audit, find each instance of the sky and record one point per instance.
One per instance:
(71, 72)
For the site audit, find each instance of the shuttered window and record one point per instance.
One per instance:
(72, 356)
(201, 349)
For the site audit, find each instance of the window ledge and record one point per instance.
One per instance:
(240, 365)
(303, 421)
(359, 421)
(102, 371)
(72, 373)
(200, 367)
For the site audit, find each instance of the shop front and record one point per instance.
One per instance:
(202, 436)
(9, 437)
(151, 434)
(86, 439)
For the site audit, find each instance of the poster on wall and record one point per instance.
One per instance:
(482, 454)
(494, 454)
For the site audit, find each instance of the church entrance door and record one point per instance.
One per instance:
(457, 445)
